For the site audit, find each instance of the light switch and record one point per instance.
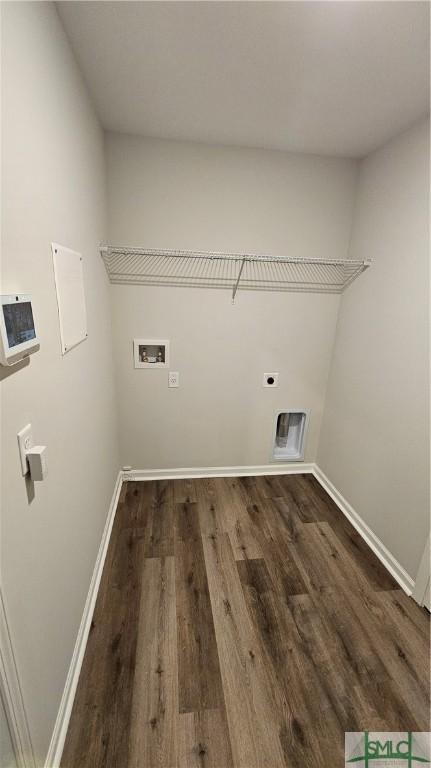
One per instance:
(32, 457)
(25, 442)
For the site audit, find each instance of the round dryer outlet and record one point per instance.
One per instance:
(270, 379)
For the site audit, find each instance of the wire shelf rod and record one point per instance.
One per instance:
(239, 271)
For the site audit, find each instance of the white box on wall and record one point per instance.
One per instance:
(291, 447)
(69, 284)
(151, 353)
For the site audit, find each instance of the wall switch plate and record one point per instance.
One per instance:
(270, 380)
(37, 462)
(25, 442)
(173, 379)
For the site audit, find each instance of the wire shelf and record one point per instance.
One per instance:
(237, 271)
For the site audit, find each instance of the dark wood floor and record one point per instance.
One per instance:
(243, 622)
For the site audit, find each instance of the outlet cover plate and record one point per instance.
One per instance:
(173, 379)
(270, 380)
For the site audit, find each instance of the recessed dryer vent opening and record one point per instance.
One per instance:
(289, 439)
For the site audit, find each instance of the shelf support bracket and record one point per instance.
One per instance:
(235, 288)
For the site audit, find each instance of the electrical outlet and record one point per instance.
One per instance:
(25, 442)
(270, 380)
(173, 379)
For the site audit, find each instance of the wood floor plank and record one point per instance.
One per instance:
(134, 510)
(333, 668)
(301, 692)
(313, 566)
(159, 541)
(274, 541)
(340, 564)
(253, 726)
(187, 526)
(283, 490)
(287, 520)
(331, 588)
(399, 647)
(384, 707)
(244, 544)
(199, 679)
(354, 662)
(212, 517)
(154, 717)
(384, 676)
(184, 491)
(203, 740)
(220, 498)
(247, 489)
(404, 609)
(373, 570)
(293, 491)
(270, 486)
(235, 521)
(375, 644)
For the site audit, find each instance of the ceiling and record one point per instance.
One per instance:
(336, 78)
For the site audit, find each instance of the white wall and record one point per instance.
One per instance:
(53, 184)
(374, 443)
(181, 195)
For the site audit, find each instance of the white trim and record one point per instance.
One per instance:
(389, 561)
(422, 576)
(55, 750)
(12, 695)
(196, 472)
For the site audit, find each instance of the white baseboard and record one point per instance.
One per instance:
(423, 577)
(12, 695)
(389, 561)
(196, 472)
(55, 750)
